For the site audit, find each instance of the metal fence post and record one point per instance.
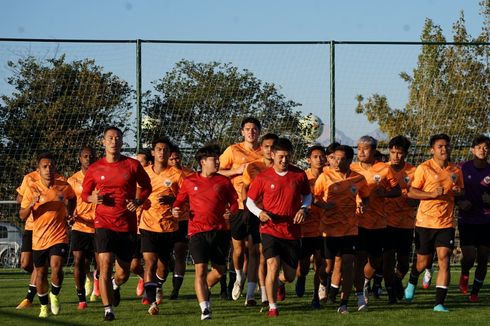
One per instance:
(332, 91)
(138, 95)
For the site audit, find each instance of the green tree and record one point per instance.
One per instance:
(199, 103)
(57, 106)
(448, 89)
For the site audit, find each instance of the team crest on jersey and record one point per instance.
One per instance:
(335, 188)
(195, 188)
(167, 183)
(377, 178)
(486, 180)
(61, 198)
(273, 186)
(353, 189)
(102, 177)
(406, 179)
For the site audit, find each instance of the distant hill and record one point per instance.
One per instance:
(342, 138)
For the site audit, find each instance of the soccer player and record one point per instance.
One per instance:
(311, 233)
(82, 234)
(256, 262)
(180, 241)
(157, 224)
(51, 202)
(474, 217)
(285, 194)
(211, 196)
(400, 214)
(26, 248)
(144, 157)
(372, 219)
(111, 183)
(336, 191)
(233, 162)
(436, 183)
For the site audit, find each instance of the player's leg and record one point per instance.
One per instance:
(319, 262)
(238, 236)
(252, 270)
(27, 265)
(443, 277)
(347, 272)
(303, 266)
(79, 275)
(41, 262)
(424, 246)
(136, 267)
(58, 256)
(467, 236)
(480, 272)
(180, 252)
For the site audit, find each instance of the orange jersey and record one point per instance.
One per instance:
(311, 226)
(437, 213)
(233, 157)
(342, 191)
(399, 213)
(155, 216)
(85, 212)
(28, 180)
(49, 213)
(378, 175)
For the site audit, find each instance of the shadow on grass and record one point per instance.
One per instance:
(20, 318)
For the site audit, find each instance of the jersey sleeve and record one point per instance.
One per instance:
(26, 197)
(418, 178)
(88, 185)
(143, 181)
(305, 185)
(226, 159)
(233, 201)
(183, 195)
(255, 189)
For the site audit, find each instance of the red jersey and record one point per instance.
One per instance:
(209, 199)
(117, 183)
(282, 197)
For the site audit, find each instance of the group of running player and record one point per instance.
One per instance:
(355, 221)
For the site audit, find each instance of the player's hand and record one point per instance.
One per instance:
(362, 206)
(300, 216)
(96, 197)
(456, 190)
(132, 204)
(166, 200)
(241, 168)
(438, 192)
(486, 198)
(465, 205)
(176, 211)
(264, 217)
(70, 219)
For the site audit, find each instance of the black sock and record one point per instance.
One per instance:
(31, 292)
(377, 280)
(440, 295)
(81, 295)
(414, 278)
(222, 283)
(151, 291)
(332, 293)
(327, 281)
(232, 281)
(344, 302)
(477, 285)
(177, 283)
(43, 299)
(55, 289)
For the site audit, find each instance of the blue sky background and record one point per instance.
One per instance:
(301, 72)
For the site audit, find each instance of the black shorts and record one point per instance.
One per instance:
(210, 245)
(26, 241)
(312, 245)
(181, 234)
(158, 242)
(42, 257)
(238, 224)
(288, 250)
(82, 241)
(426, 240)
(121, 244)
(253, 228)
(137, 248)
(372, 241)
(338, 246)
(474, 235)
(400, 240)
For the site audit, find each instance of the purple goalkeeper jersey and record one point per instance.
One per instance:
(476, 183)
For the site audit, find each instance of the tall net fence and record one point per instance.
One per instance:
(59, 96)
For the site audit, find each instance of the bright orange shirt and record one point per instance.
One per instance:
(378, 175)
(437, 213)
(85, 212)
(340, 190)
(399, 213)
(157, 217)
(49, 214)
(311, 226)
(233, 157)
(28, 180)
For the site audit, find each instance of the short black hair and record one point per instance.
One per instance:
(480, 139)
(161, 140)
(331, 148)
(212, 150)
(400, 142)
(437, 137)
(315, 148)
(269, 136)
(90, 148)
(113, 128)
(253, 120)
(146, 152)
(175, 149)
(349, 152)
(44, 155)
(282, 144)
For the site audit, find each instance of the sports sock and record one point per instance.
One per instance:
(177, 281)
(160, 280)
(81, 295)
(43, 298)
(251, 289)
(31, 292)
(108, 308)
(239, 275)
(414, 278)
(477, 285)
(441, 293)
(263, 294)
(151, 291)
(333, 291)
(272, 306)
(55, 289)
